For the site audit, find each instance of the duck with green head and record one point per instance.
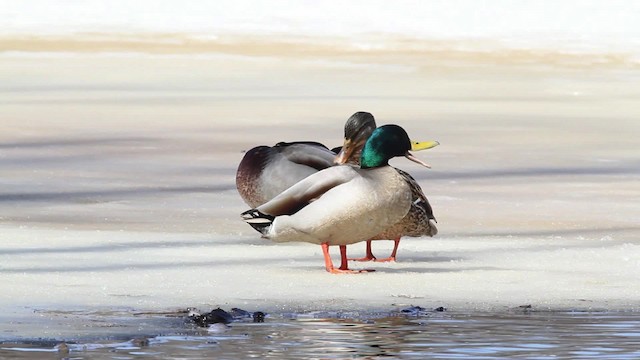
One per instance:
(342, 205)
(420, 220)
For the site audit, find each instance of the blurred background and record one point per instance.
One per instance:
(122, 99)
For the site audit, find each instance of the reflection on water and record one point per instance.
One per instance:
(536, 335)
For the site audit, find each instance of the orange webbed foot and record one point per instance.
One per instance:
(349, 271)
(366, 258)
(344, 267)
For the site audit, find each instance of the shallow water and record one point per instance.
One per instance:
(525, 334)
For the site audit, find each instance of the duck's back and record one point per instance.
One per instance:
(266, 171)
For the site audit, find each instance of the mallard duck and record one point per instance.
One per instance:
(266, 171)
(342, 205)
(357, 130)
(419, 221)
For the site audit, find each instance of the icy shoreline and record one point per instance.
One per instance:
(117, 187)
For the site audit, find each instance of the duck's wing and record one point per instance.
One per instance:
(418, 196)
(307, 153)
(266, 171)
(307, 190)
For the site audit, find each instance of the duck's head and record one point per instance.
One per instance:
(389, 141)
(357, 130)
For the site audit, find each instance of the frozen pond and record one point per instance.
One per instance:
(334, 335)
(118, 153)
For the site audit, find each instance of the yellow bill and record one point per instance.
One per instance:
(423, 145)
(420, 145)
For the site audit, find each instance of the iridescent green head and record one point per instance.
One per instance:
(387, 142)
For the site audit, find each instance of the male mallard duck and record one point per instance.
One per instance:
(342, 205)
(419, 221)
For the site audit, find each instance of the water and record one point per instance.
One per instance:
(446, 335)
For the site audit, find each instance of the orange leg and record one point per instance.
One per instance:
(369, 256)
(393, 253)
(344, 262)
(328, 264)
(344, 268)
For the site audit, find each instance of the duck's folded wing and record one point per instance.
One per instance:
(307, 190)
(419, 198)
(310, 154)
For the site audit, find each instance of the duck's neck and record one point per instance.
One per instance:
(372, 159)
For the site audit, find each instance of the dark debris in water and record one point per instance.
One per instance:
(420, 311)
(215, 316)
(240, 314)
(219, 316)
(258, 317)
(414, 310)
